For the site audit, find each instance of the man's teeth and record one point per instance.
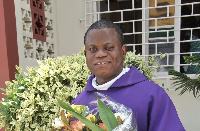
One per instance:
(101, 63)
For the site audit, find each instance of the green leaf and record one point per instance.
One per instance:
(18, 76)
(88, 123)
(107, 116)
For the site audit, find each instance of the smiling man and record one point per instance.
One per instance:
(105, 53)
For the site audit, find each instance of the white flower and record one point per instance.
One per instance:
(58, 123)
(66, 115)
(21, 87)
(51, 72)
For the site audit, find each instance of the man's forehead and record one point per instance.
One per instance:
(101, 34)
(93, 32)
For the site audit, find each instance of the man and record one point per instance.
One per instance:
(105, 53)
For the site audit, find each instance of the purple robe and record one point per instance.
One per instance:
(152, 107)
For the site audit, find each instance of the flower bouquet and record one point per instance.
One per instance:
(103, 120)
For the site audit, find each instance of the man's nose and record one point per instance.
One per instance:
(101, 53)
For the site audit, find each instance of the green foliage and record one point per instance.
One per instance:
(142, 65)
(193, 60)
(12, 101)
(185, 83)
(30, 102)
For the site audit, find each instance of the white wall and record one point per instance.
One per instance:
(187, 106)
(188, 109)
(20, 42)
(70, 29)
(28, 56)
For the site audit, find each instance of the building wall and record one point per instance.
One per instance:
(187, 106)
(8, 44)
(31, 49)
(188, 109)
(66, 18)
(71, 28)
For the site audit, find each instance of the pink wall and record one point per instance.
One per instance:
(8, 42)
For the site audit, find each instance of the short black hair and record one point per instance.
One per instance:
(105, 24)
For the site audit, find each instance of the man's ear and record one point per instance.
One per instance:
(124, 50)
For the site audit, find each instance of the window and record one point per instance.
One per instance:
(153, 27)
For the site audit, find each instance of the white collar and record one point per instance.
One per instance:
(106, 85)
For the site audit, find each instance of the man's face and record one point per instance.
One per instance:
(104, 54)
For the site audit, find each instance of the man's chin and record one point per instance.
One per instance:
(104, 76)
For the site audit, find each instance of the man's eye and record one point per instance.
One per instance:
(93, 49)
(109, 48)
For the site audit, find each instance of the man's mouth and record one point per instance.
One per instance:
(101, 63)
